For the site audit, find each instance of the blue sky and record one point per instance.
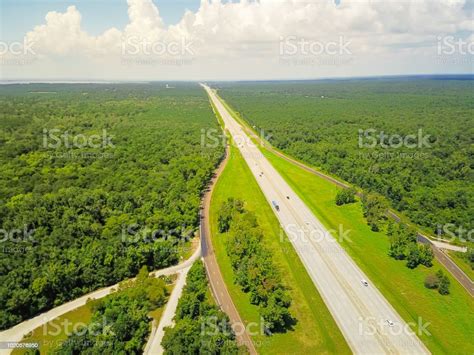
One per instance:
(20, 16)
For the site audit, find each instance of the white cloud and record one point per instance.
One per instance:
(250, 32)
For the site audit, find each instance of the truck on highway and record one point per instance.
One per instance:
(275, 204)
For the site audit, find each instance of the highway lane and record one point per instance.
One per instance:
(361, 312)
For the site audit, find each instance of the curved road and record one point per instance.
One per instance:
(216, 281)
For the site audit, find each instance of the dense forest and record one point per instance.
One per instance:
(410, 140)
(201, 327)
(97, 180)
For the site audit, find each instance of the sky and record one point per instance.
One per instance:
(233, 40)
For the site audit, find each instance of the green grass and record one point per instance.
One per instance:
(451, 324)
(463, 264)
(315, 331)
(54, 333)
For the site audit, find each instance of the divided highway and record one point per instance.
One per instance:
(368, 322)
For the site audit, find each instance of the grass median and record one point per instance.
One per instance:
(315, 330)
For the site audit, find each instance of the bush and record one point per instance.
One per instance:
(443, 287)
(431, 281)
(439, 281)
(345, 196)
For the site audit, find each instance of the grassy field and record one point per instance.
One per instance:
(450, 317)
(54, 333)
(315, 330)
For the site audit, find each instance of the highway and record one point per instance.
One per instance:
(368, 322)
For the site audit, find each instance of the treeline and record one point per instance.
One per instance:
(201, 328)
(254, 269)
(76, 218)
(120, 323)
(319, 123)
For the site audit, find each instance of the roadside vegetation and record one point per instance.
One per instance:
(450, 321)
(201, 327)
(315, 331)
(120, 322)
(409, 140)
(254, 269)
(96, 182)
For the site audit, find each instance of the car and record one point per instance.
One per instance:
(364, 282)
(275, 204)
(390, 323)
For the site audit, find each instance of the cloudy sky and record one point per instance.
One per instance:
(238, 40)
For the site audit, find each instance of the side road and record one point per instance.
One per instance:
(218, 287)
(437, 246)
(153, 345)
(16, 333)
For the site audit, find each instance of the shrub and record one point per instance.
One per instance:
(345, 196)
(431, 281)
